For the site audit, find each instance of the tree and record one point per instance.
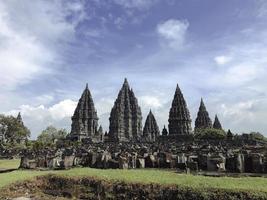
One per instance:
(50, 135)
(254, 136)
(210, 134)
(15, 132)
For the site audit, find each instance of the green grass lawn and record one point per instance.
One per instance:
(170, 177)
(19, 175)
(9, 164)
(146, 176)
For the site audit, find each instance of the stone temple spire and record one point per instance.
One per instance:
(179, 116)
(84, 120)
(217, 123)
(151, 129)
(203, 119)
(19, 119)
(125, 117)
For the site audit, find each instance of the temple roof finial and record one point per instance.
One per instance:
(202, 105)
(125, 83)
(178, 88)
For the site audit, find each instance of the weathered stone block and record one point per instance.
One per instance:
(68, 161)
(140, 163)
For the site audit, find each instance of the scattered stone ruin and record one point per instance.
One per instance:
(195, 156)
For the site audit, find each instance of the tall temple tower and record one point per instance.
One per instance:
(203, 119)
(179, 116)
(125, 117)
(84, 120)
(151, 129)
(217, 123)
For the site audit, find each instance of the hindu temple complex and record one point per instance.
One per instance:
(127, 144)
(126, 119)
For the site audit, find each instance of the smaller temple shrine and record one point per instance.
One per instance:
(217, 123)
(151, 129)
(203, 120)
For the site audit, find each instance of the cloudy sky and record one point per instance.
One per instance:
(49, 50)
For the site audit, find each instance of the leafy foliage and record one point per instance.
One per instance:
(254, 136)
(15, 132)
(257, 136)
(50, 135)
(210, 134)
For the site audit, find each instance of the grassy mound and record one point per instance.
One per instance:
(164, 177)
(140, 180)
(67, 187)
(146, 176)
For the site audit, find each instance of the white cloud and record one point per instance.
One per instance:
(238, 111)
(242, 73)
(44, 99)
(63, 109)
(245, 116)
(104, 105)
(138, 4)
(76, 9)
(261, 8)
(222, 60)
(173, 32)
(21, 56)
(119, 22)
(39, 117)
(30, 33)
(150, 102)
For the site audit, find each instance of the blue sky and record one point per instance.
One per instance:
(216, 50)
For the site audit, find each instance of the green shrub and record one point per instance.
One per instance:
(210, 134)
